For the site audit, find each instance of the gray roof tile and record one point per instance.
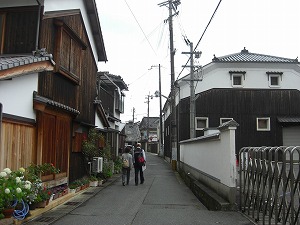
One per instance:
(246, 56)
(7, 62)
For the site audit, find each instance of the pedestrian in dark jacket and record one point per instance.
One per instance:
(126, 165)
(139, 160)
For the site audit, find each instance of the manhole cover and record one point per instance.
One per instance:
(71, 203)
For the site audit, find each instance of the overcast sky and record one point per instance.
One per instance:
(136, 37)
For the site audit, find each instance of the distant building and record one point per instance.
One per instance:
(152, 137)
(132, 133)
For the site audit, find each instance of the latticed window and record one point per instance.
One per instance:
(68, 52)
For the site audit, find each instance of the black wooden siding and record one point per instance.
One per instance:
(20, 30)
(244, 106)
(58, 87)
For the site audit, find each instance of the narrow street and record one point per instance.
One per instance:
(162, 199)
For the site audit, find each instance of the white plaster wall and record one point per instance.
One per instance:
(255, 78)
(16, 95)
(213, 157)
(98, 122)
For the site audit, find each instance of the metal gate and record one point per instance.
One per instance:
(269, 184)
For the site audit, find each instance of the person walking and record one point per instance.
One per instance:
(139, 160)
(126, 165)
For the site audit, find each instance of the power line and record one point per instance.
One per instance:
(201, 36)
(140, 27)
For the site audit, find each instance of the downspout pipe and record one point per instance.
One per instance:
(38, 26)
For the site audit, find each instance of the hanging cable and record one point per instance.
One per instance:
(201, 37)
(140, 27)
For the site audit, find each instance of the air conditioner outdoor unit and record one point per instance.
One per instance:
(97, 164)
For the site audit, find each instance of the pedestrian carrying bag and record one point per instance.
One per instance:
(141, 159)
(125, 163)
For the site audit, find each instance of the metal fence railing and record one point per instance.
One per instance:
(269, 184)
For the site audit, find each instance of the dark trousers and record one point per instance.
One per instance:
(125, 174)
(137, 170)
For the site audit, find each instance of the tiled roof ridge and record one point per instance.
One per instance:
(246, 56)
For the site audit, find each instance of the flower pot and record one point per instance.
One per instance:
(66, 191)
(72, 190)
(32, 206)
(8, 213)
(100, 182)
(41, 204)
(93, 183)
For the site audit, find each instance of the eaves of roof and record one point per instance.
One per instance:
(246, 56)
(101, 113)
(14, 65)
(96, 28)
(110, 79)
(49, 102)
(288, 119)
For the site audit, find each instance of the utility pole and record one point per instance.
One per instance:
(133, 111)
(172, 5)
(158, 94)
(160, 115)
(148, 101)
(192, 89)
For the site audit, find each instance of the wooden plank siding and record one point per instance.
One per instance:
(73, 83)
(107, 100)
(20, 30)
(58, 87)
(244, 106)
(167, 137)
(18, 145)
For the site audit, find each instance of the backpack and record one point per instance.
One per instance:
(139, 159)
(125, 163)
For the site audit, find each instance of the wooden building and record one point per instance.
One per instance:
(260, 92)
(149, 135)
(48, 66)
(110, 96)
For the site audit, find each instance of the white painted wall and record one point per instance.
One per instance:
(213, 157)
(255, 77)
(16, 95)
(98, 122)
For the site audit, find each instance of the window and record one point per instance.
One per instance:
(237, 78)
(274, 81)
(18, 29)
(119, 102)
(274, 78)
(224, 120)
(68, 52)
(263, 124)
(201, 123)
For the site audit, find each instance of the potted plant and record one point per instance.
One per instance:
(13, 188)
(73, 187)
(45, 171)
(93, 181)
(42, 197)
(90, 145)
